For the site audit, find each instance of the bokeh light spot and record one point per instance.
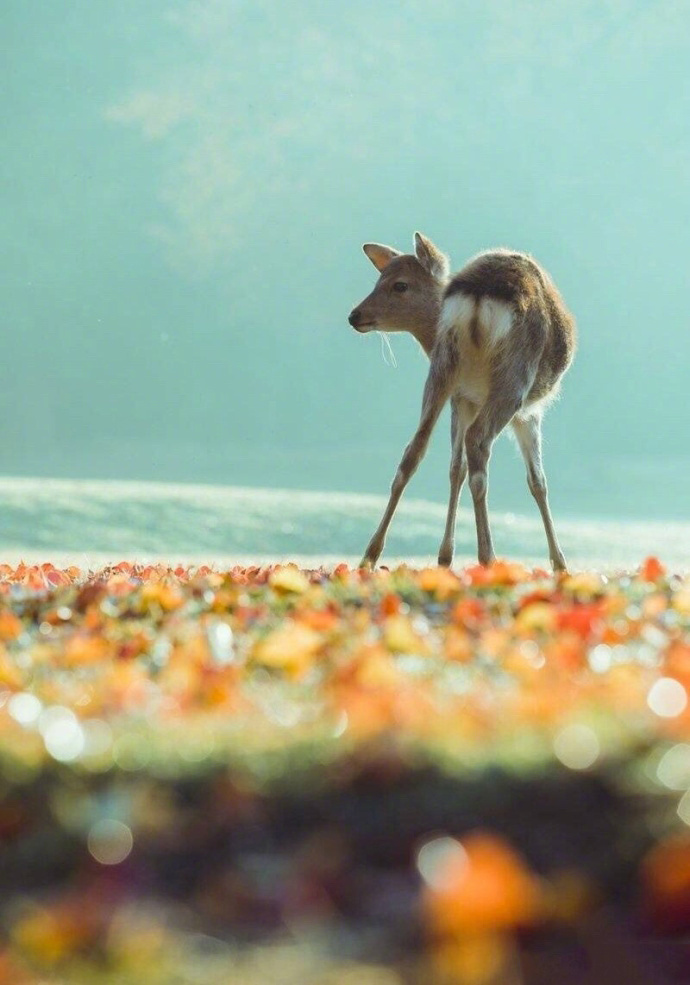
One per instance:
(674, 767)
(62, 734)
(110, 841)
(577, 746)
(24, 708)
(667, 698)
(436, 857)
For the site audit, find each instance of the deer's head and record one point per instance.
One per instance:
(407, 296)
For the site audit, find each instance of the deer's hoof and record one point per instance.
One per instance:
(371, 555)
(558, 564)
(445, 559)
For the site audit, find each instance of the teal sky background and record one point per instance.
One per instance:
(185, 186)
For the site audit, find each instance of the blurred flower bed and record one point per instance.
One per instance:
(278, 775)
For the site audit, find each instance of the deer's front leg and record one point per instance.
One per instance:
(435, 396)
(408, 465)
(463, 413)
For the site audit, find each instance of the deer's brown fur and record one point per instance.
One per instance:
(499, 339)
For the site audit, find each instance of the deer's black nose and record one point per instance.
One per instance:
(355, 316)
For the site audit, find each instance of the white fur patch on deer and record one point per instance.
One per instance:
(487, 321)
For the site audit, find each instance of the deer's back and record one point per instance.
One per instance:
(509, 306)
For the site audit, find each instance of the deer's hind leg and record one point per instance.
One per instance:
(463, 413)
(528, 433)
(436, 393)
(492, 418)
(511, 380)
(512, 376)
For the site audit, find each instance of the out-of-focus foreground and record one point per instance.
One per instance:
(272, 774)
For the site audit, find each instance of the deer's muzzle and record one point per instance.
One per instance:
(356, 320)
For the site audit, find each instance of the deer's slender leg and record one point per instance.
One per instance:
(463, 413)
(492, 418)
(436, 392)
(528, 433)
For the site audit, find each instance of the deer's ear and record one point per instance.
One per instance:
(380, 255)
(430, 257)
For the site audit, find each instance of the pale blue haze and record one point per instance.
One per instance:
(185, 186)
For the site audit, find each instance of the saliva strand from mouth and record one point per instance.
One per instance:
(388, 356)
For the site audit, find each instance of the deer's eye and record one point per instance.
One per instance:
(400, 286)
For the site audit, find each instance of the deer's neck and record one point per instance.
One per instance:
(425, 330)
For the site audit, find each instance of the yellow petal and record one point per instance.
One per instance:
(290, 647)
(536, 617)
(400, 636)
(288, 579)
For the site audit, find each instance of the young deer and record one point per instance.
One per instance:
(499, 339)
